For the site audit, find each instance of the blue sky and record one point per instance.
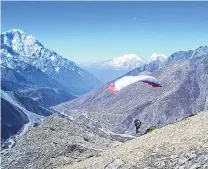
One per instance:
(96, 31)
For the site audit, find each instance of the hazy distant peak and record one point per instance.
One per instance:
(127, 61)
(156, 57)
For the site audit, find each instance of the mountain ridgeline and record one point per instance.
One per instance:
(174, 58)
(33, 79)
(17, 46)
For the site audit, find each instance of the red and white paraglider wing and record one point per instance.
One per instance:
(128, 80)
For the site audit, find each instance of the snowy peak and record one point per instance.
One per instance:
(157, 57)
(17, 46)
(128, 61)
(21, 43)
(202, 50)
(114, 68)
(14, 31)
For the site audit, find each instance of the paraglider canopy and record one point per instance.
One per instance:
(128, 80)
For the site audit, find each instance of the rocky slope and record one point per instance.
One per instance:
(55, 142)
(183, 145)
(60, 143)
(184, 91)
(184, 55)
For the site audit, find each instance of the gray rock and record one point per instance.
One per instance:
(195, 166)
(115, 164)
(203, 159)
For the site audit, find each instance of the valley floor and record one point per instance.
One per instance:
(183, 145)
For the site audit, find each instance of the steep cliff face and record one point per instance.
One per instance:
(11, 113)
(18, 110)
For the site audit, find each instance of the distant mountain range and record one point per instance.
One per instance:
(132, 64)
(175, 57)
(34, 78)
(112, 69)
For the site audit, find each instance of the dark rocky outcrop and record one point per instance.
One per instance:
(12, 119)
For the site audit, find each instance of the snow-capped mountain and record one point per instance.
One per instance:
(111, 69)
(158, 57)
(128, 62)
(163, 61)
(133, 65)
(17, 44)
(33, 79)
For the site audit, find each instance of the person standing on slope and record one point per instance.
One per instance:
(137, 124)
